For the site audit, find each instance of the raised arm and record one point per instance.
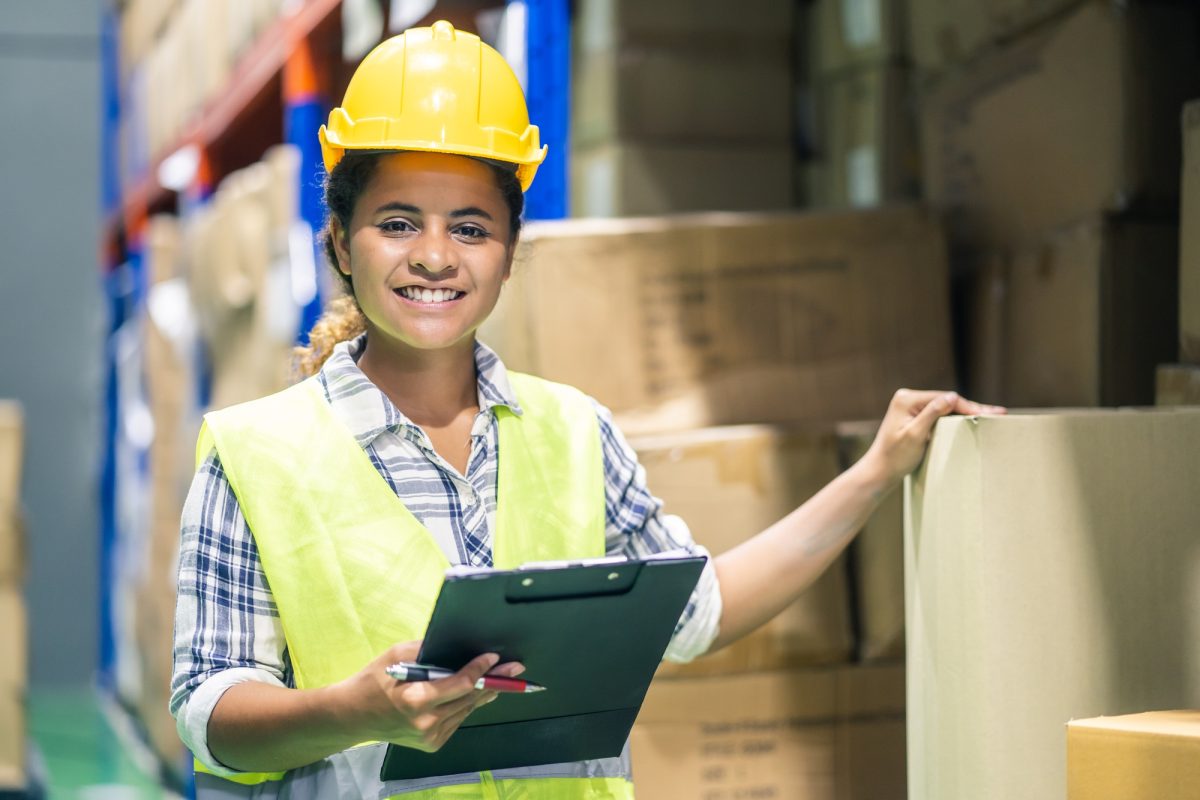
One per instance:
(761, 576)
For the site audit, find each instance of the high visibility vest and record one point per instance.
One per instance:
(353, 572)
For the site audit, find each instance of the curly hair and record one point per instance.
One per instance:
(343, 318)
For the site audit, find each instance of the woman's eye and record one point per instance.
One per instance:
(471, 231)
(396, 226)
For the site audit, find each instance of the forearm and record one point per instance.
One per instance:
(257, 727)
(761, 576)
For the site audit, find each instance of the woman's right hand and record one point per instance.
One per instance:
(421, 714)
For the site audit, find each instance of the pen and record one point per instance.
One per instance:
(496, 683)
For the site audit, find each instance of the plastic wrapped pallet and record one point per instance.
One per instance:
(1052, 573)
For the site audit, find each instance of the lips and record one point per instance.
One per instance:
(419, 294)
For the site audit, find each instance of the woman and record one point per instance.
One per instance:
(303, 575)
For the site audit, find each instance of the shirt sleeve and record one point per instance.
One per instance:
(635, 527)
(227, 628)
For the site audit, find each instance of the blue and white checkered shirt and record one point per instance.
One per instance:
(227, 628)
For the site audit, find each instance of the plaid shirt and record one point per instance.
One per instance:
(227, 628)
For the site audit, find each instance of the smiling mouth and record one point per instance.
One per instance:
(420, 295)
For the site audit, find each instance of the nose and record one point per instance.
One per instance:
(430, 252)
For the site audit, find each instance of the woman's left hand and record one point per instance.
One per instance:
(904, 433)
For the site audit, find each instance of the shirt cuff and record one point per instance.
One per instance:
(192, 719)
(702, 617)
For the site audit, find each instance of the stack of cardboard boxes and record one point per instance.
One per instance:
(680, 106)
(13, 626)
(696, 330)
(1055, 155)
(1179, 384)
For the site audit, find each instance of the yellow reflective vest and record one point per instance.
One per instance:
(353, 572)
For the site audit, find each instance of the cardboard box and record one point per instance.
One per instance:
(1178, 385)
(1154, 754)
(714, 319)
(1080, 318)
(728, 484)
(730, 96)
(876, 560)
(833, 734)
(867, 150)
(604, 25)
(1075, 118)
(626, 179)
(1052, 573)
(855, 33)
(1189, 238)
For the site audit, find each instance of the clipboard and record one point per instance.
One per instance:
(592, 632)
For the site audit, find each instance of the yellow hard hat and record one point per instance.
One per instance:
(439, 90)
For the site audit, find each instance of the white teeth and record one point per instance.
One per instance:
(420, 295)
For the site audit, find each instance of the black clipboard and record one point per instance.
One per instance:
(592, 633)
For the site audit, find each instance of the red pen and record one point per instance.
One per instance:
(495, 683)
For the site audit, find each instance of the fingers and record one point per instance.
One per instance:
(462, 683)
(509, 669)
(915, 402)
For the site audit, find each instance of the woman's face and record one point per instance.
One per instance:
(428, 249)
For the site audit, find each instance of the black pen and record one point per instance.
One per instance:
(408, 672)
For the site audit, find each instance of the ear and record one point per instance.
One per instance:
(341, 244)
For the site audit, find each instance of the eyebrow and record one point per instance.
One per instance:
(469, 211)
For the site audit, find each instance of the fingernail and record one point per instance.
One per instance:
(518, 669)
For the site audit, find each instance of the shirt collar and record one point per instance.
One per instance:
(367, 412)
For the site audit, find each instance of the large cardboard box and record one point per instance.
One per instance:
(1178, 385)
(728, 484)
(1154, 754)
(1189, 238)
(1080, 317)
(876, 560)
(834, 734)
(1074, 118)
(628, 179)
(867, 150)
(1052, 573)
(714, 97)
(855, 33)
(723, 319)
